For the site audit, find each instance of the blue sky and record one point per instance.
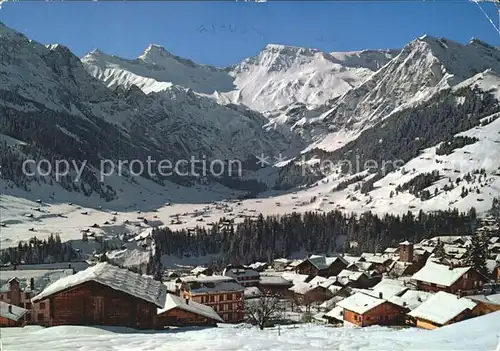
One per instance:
(223, 33)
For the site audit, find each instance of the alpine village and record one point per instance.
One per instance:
(435, 282)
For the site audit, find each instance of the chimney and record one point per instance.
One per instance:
(404, 303)
(187, 301)
(419, 299)
(32, 284)
(451, 266)
(380, 295)
(10, 308)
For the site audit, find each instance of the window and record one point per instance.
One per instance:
(27, 295)
(40, 317)
(27, 305)
(42, 305)
(226, 307)
(1, 297)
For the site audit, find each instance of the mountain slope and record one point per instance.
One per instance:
(49, 102)
(422, 68)
(282, 75)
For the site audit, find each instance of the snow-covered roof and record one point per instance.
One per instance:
(337, 313)
(252, 291)
(114, 277)
(198, 270)
(295, 277)
(303, 288)
(345, 276)
(406, 242)
(376, 258)
(391, 250)
(15, 312)
(442, 307)
(282, 260)
(439, 274)
(240, 272)
(257, 265)
(360, 303)
(491, 299)
(317, 280)
(41, 278)
(207, 278)
(274, 280)
(411, 299)
(174, 301)
(212, 284)
(331, 302)
(387, 290)
(323, 262)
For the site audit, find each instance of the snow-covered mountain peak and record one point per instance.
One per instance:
(282, 75)
(154, 53)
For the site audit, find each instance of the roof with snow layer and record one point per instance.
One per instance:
(114, 277)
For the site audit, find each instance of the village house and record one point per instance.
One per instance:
(335, 315)
(258, 266)
(202, 270)
(244, 276)
(380, 261)
(322, 266)
(11, 315)
(104, 295)
(364, 310)
(18, 287)
(293, 265)
(224, 294)
(252, 292)
(307, 294)
(275, 285)
(410, 300)
(178, 311)
(280, 264)
(441, 309)
(353, 279)
(486, 303)
(387, 288)
(456, 280)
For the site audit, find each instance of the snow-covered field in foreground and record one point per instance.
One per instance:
(476, 334)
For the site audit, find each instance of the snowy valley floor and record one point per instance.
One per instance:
(481, 333)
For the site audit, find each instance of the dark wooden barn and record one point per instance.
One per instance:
(104, 295)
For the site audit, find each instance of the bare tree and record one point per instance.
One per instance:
(262, 310)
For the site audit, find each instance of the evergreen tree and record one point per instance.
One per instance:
(477, 253)
(439, 251)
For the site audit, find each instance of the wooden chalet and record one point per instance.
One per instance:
(306, 293)
(275, 285)
(11, 315)
(104, 295)
(364, 310)
(435, 277)
(486, 303)
(178, 311)
(280, 264)
(321, 266)
(442, 309)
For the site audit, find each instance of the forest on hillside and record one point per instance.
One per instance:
(266, 238)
